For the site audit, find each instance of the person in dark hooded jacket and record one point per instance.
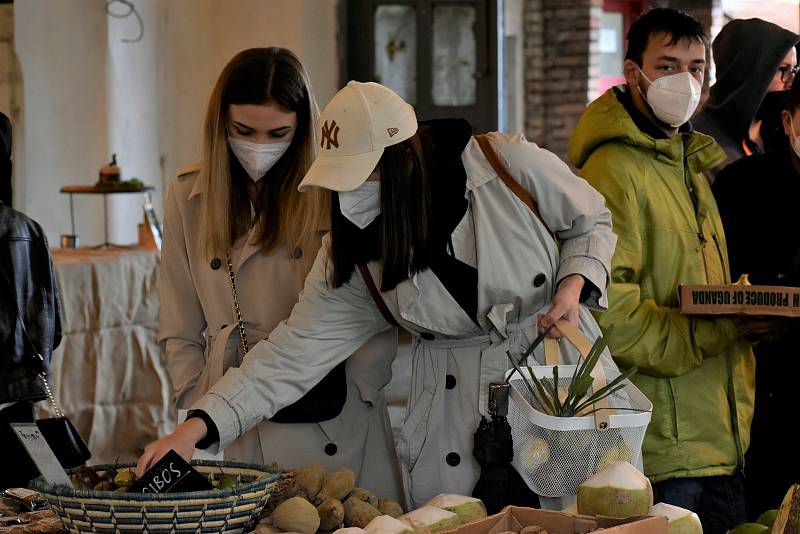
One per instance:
(751, 216)
(30, 324)
(5, 160)
(752, 57)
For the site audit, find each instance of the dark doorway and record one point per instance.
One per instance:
(439, 55)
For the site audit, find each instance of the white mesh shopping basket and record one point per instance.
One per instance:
(554, 455)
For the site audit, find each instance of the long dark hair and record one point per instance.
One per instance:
(283, 216)
(401, 235)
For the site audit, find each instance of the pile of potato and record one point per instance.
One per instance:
(321, 501)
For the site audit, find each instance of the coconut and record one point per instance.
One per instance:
(430, 518)
(390, 507)
(534, 452)
(296, 515)
(679, 520)
(750, 528)
(349, 530)
(386, 524)
(466, 508)
(619, 490)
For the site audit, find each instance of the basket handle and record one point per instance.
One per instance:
(584, 346)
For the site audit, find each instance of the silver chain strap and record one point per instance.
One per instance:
(239, 322)
(49, 392)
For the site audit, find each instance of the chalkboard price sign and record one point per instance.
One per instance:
(172, 474)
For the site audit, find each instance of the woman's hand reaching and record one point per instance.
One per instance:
(182, 441)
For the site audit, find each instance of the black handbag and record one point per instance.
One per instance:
(323, 402)
(62, 436)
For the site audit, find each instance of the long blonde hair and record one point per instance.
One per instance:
(284, 217)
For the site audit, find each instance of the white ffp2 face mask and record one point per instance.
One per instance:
(363, 205)
(673, 98)
(257, 159)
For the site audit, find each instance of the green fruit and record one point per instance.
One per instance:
(228, 481)
(125, 478)
(121, 489)
(105, 485)
(767, 518)
(750, 528)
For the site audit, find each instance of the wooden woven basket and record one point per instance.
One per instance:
(232, 509)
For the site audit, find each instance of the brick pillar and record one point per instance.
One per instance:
(560, 62)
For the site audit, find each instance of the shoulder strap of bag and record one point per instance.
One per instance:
(376, 295)
(522, 193)
(43, 375)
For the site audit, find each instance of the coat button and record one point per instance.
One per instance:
(331, 449)
(453, 459)
(297, 253)
(450, 382)
(216, 263)
(539, 280)
(427, 336)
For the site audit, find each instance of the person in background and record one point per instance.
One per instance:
(424, 234)
(756, 198)
(6, 191)
(752, 57)
(636, 146)
(237, 220)
(30, 325)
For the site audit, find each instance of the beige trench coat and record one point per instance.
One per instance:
(198, 335)
(454, 360)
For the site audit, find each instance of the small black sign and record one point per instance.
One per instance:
(172, 474)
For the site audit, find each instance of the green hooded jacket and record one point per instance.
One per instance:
(698, 374)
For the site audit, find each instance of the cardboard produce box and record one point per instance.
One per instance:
(515, 518)
(735, 299)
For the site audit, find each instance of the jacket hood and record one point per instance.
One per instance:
(747, 54)
(607, 120)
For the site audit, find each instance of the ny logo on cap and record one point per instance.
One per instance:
(330, 135)
(393, 131)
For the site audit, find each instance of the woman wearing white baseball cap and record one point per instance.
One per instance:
(463, 262)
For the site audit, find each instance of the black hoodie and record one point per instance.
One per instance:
(747, 54)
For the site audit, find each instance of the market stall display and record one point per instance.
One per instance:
(520, 520)
(320, 501)
(230, 509)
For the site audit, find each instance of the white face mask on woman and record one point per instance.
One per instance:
(673, 98)
(257, 159)
(363, 205)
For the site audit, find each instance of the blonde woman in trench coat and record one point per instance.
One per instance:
(263, 104)
(484, 276)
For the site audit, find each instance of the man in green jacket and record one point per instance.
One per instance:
(635, 145)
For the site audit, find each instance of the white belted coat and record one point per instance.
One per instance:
(454, 360)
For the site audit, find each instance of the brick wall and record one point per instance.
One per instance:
(560, 63)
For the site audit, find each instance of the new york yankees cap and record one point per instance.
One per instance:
(359, 122)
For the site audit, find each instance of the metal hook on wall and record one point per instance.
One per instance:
(131, 11)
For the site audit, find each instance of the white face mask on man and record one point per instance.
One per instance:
(363, 205)
(257, 159)
(673, 98)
